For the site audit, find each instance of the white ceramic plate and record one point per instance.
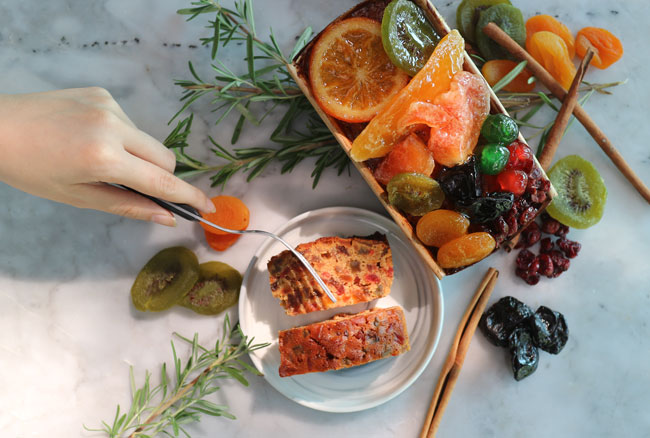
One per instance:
(415, 289)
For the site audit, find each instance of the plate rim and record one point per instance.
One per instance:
(425, 360)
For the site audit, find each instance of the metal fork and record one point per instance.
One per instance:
(187, 212)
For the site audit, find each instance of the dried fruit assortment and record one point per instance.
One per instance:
(512, 324)
(458, 174)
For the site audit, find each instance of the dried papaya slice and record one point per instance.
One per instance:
(408, 156)
(542, 22)
(384, 131)
(607, 48)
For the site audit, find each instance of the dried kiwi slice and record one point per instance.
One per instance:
(165, 279)
(467, 15)
(414, 193)
(581, 192)
(216, 290)
(510, 20)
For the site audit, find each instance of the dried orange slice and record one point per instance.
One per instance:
(351, 76)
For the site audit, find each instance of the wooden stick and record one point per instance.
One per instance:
(456, 356)
(563, 116)
(494, 32)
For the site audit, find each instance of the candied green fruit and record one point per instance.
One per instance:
(494, 158)
(499, 128)
(414, 194)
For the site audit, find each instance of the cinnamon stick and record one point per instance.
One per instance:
(456, 356)
(494, 32)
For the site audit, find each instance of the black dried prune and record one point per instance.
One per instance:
(498, 322)
(462, 183)
(549, 330)
(524, 353)
(491, 206)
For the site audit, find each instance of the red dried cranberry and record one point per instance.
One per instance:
(570, 248)
(560, 263)
(562, 231)
(538, 197)
(527, 215)
(545, 185)
(535, 173)
(550, 225)
(546, 245)
(532, 279)
(530, 236)
(500, 225)
(511, 220)
(520, 205)
(513, 181)
(546, 267)
(521, 157)
(524, 259)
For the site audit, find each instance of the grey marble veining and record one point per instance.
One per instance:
(68, 332)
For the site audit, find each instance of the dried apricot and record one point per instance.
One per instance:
(441, 226)
(455, 118)
(539, 23)
(495, 70)
(551, 51)
(607, 48)
(408, 156)
(230, 213)
(384, 131)
(465, 250)
(350, 74)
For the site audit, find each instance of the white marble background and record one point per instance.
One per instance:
(68, 332)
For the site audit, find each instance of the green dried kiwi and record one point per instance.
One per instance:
(467, 15)
(216, 290)
(165, 279)
(581, 192)
(510, 20)
(414, 193)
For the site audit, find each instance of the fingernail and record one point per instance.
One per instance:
(209, 207)
(164, 219)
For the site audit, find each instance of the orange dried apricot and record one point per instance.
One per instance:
(495, 70)
(384, 131)
(607, 48)
(465, 250)
(408, 156)
(539, 23)
(230, 213)
(455, 118)
(441, 226)
(551, 51)
(351, 76)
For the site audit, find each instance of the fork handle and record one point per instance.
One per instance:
(174, 207)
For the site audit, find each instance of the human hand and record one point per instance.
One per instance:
(62, 145)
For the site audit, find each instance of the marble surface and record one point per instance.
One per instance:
(68, 332)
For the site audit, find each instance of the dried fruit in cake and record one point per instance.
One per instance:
(165, 279)
(216, 289)
(582, 194)
(230, 213)
(355, 269)
(407, 35)
(441, 226)
(414, 194)
(351, 76)
(493, 71)
(343, 341)
(384, 131)
(489, 207)
(455, 118)
(510, 20)
(551, 52)
(461, 184)
(607, 48)
(465, 250)
(493, 158)
(408, 156)
(523, 353)
(549, 329)
(498, 322)
(542, 22)
(499, 128)
(467, 15)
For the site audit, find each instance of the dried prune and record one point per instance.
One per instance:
(462, 183)
(498, 322)
(549, 330)
(524, 353)
(491, 206)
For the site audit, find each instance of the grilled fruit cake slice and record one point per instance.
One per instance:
(355, 269)
(343, 341)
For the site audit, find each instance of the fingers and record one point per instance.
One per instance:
(148, 178)
(121, 202)
(144, 146)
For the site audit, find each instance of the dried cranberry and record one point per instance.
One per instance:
(530, 236)
(513, 181)
(532, 186)
(524, 259)
(527, 215)
(545, 185)
(546, 267)
(532, 279)
(500, 225)
(562, 231)
(546, 245)
(560, 263)
(550, 225)
(521, 157)
(538, 197)
(511, 220)
(570, 248)
(535, 173)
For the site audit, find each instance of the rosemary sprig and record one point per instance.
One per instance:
(172, 403)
